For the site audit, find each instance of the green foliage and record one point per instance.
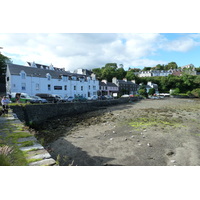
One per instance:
(152, 91)
(196, 92)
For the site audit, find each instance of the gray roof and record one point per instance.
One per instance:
(38, 72)
(108, 84)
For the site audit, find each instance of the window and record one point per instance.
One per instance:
(89, 87)
(65, 78)
(23, 75)
(65, 87)
(49, 87)
(74, 87)
(23, 86)
(57, 87)
(94, 87)
(81, 88)
(37, 86)
(48, 77)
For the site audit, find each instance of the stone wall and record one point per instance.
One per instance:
(35, 114)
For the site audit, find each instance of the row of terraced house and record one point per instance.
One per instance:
(37, 78)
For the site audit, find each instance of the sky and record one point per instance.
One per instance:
(91, 50)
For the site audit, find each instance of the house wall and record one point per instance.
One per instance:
(15, 85)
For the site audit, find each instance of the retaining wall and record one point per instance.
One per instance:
(36, 114)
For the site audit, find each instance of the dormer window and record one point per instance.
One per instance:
(48, 77)
(23, 75)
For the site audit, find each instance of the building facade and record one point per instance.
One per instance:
(126, 87)
(37, 78)
(107, 88)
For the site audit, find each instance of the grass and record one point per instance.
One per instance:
(143, 123)
(26, 143)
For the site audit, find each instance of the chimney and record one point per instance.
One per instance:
(114, 80)
(133, 81)
(124, 79)
(104, 81)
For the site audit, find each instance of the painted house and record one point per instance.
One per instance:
(37, 78)
(107, 88)
(126, 87)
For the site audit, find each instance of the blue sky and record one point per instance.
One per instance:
(91, 50)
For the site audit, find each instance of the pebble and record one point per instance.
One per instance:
(139, 144)
(132, 136)
(149, 145)
(111, 138)
(143, 136)
(173, 161)
(125, 139)
(113, 131)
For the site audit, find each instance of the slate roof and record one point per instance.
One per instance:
(38, 72)
(109, 84)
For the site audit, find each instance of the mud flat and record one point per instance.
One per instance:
(147, 133)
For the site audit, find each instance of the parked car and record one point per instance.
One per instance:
(50, 98)
(108, 97)
(125, 96)
(102, 97)
(21, 97)
(69, 99)
(59, 98)
(92, 98)
(80, 99)
(39, 100)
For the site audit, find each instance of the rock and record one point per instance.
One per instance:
(139, 144)
(132, 136)
(149, 145)
(113, 131)
(125, 139)
(173, 161)
(111, 138)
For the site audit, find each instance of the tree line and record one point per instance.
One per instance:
(185, 83)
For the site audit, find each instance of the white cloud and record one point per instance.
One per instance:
(76, 50)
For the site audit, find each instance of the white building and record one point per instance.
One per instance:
(37, 78)
(154, 73)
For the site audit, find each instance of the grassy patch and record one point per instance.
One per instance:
(26, 143)
(14, 136)
(143, 123)
(12, 156)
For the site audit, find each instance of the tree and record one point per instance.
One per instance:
(120, 73)
(98, 73)
(3, 61)
(171, 65)
(152, 91)
(130, 76)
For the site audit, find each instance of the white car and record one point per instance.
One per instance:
(92, 98)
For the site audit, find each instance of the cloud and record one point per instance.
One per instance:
(182, 44)
(90, 50)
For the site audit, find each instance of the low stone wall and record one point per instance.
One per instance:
(36, 114)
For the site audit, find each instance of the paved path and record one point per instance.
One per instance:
(34, 152)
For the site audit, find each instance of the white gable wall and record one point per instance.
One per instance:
(16, 82)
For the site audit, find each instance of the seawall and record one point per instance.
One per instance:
(35, 114)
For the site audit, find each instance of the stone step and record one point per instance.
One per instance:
(45, 162)
(34, 147)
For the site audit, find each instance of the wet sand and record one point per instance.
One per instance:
(162, 132)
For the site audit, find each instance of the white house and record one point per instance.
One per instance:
(37, 78)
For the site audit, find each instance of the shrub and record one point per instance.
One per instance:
(196, 92)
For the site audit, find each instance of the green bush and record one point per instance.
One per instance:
(196, 92)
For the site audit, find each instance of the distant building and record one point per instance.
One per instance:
(126, 87)
(37, 78)
(107, 88)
